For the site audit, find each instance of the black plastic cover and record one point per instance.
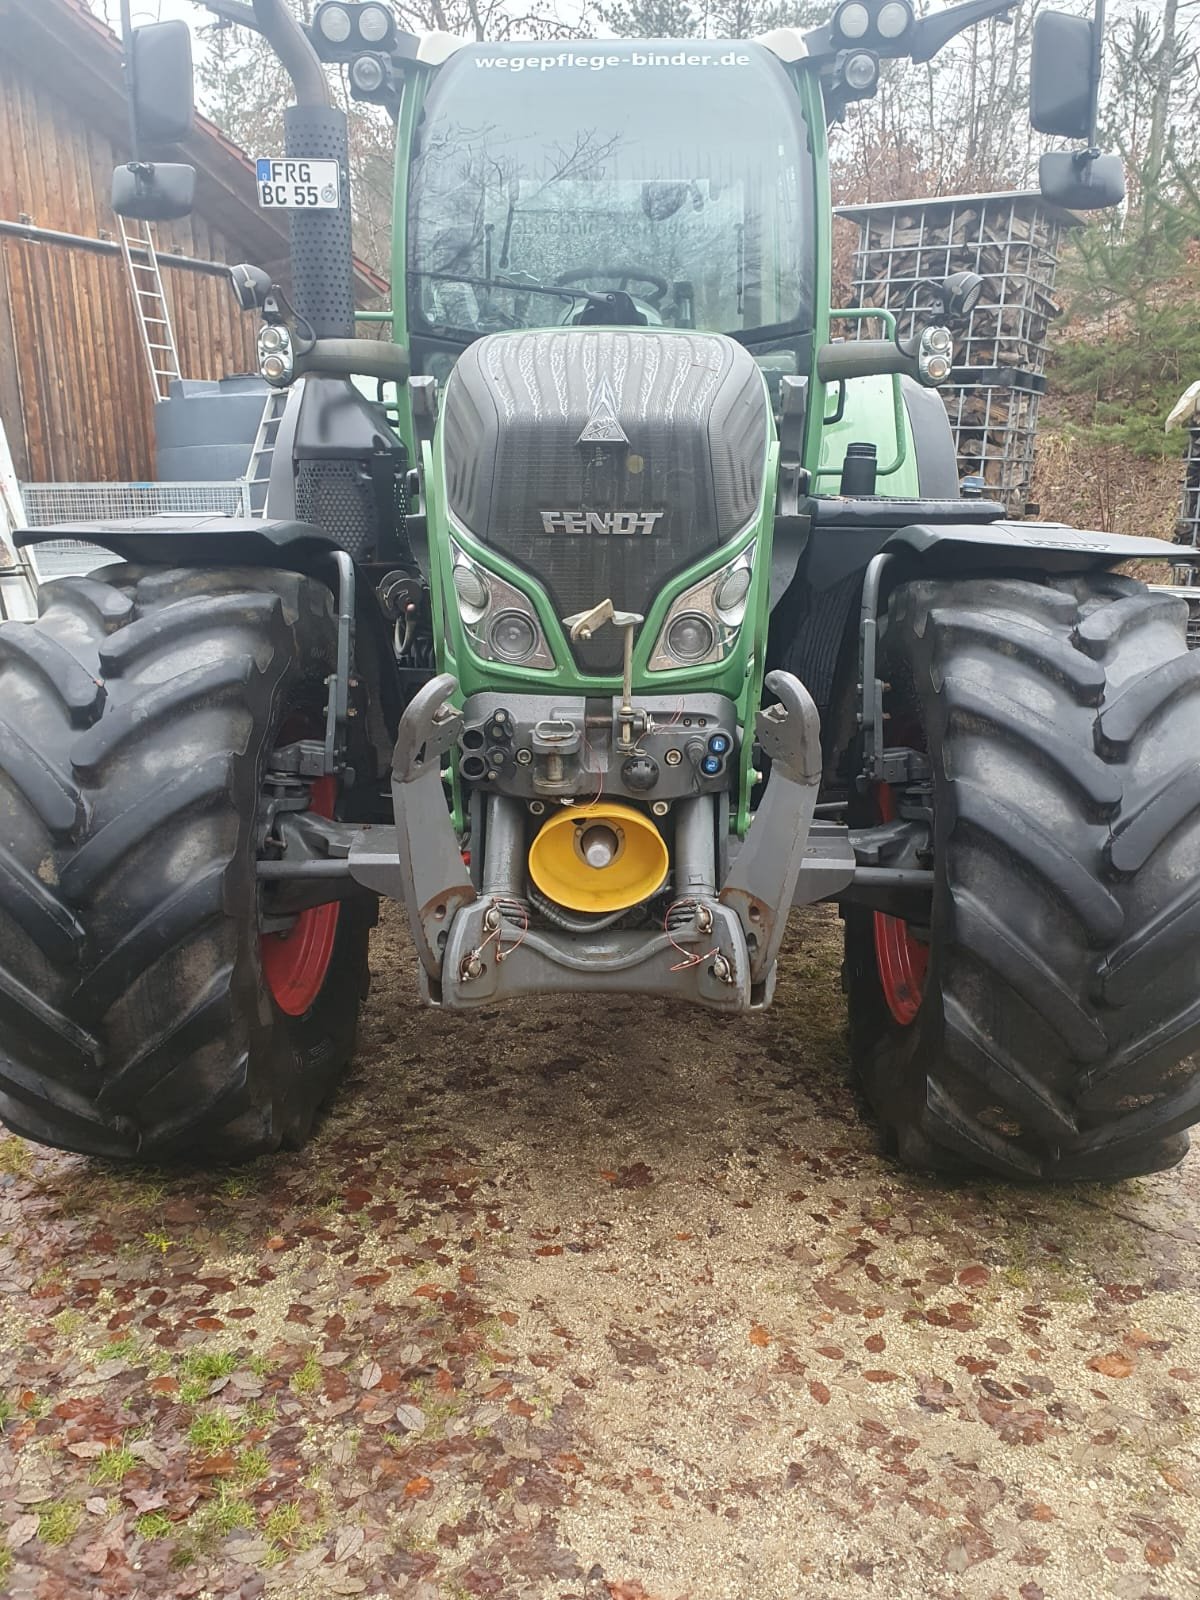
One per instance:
(221, 541)
(687, 421)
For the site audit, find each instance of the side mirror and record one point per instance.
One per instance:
(153, 192)
(161, 84)
(1081, 181)
(1064, 76)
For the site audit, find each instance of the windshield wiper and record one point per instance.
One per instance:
(616, 305)
(599, 297)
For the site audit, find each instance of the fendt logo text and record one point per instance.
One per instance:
(606, 522)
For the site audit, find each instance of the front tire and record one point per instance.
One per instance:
(1058, 983)
(137, 718)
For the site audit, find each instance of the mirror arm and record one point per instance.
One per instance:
(934, 33)
(1097, 67)
(235, 11)
(135, 151)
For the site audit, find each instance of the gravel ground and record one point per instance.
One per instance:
(596, 1301)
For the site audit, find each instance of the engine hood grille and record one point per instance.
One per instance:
(603, 461)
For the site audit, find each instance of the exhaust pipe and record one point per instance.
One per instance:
(315, 130)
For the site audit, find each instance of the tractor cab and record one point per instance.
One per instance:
(623, 183)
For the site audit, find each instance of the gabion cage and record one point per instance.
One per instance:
(1187, 529)
(49, 503)
(1013, 241)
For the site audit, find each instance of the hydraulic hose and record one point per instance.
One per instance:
(569, 924)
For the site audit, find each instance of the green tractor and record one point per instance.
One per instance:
(608, 611)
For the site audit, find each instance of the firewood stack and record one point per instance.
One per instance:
(1012, 240)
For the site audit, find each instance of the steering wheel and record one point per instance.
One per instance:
(660, 288)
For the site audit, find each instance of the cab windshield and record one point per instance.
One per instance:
(678, 175)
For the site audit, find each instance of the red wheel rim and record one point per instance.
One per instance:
(295, 963)
(902, 960)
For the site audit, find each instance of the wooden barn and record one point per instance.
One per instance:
(76, 396)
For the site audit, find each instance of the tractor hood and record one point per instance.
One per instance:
(604, 461)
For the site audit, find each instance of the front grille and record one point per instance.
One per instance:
(693, 412)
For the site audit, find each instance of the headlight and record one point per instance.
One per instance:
(852, 20)
(729, 596)
(472, 591)
(512, 636)
(691, 638)
(374, 24)
(893, 19)
(703, 623)
(333, 23)
(860, 71)
(500, 620)
(367, 74)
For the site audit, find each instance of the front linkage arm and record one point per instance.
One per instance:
(762, 879)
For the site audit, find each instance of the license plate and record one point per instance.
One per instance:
(298, 185)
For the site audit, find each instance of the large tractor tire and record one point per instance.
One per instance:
(1042, 1024)
(143, 1013)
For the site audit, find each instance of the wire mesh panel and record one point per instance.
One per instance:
(1012, 241)
(47, 504)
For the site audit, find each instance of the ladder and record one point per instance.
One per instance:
(150, 303)
(258, 473)
(18, 599)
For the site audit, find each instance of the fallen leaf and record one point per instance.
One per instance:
(416, 1487)
(95, 1557)
(146, 1450)
(759, 1335)
(276, 1242)
(1112, 1365)
(371, 1376)
(164, 1385)
(349, 1542)
(1159, 1552)
(638, 1176)
(818, 1391)
(880, 1375)
(410, 1418)
(974, 1277)
(96, 1506)
(87, 1449)
(143, 1500)
(21, 1531)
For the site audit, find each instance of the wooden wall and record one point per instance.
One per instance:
(75, 395)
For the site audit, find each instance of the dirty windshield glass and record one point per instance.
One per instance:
(677, 175)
